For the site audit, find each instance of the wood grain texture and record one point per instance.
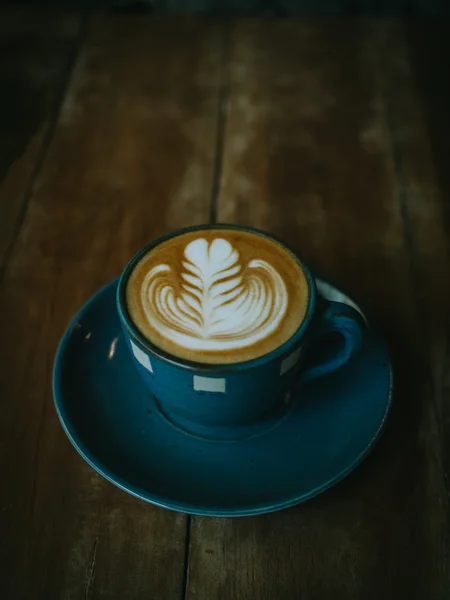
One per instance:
(418, 100)
(36, 47)
(310, 155)
(132, 156)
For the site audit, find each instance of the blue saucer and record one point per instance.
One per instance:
(117, 428)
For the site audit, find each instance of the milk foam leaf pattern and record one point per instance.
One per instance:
(216, 302)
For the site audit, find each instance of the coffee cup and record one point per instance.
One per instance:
(224, 324)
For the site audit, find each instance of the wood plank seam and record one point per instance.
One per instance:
(222, 114)
(90, 580)
(187, 558)
(49, 134)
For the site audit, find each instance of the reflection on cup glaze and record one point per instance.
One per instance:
(215, 303)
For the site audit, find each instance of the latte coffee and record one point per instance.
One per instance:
(218, 296)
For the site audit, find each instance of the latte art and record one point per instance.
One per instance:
(218, 307)
(220, 296)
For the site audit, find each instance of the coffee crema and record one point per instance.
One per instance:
(218, 296)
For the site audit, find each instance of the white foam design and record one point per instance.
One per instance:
(216, 303)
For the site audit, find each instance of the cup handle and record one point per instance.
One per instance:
(337, 336)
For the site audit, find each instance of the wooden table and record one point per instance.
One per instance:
(334, 135)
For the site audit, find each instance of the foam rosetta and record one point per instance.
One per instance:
(216, 302)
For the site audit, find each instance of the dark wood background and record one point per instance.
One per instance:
(333, 135)
(292, 8)
(264, 8)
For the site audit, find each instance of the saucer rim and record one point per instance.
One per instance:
(169, 503)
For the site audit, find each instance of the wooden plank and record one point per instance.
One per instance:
(132, 156)
(427, 180)
(36, 49)
(418, 107)
(309, 156)
(419, 95)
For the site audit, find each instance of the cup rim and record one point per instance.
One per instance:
(189, 365)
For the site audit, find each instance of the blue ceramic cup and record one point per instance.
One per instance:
(219, 400)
